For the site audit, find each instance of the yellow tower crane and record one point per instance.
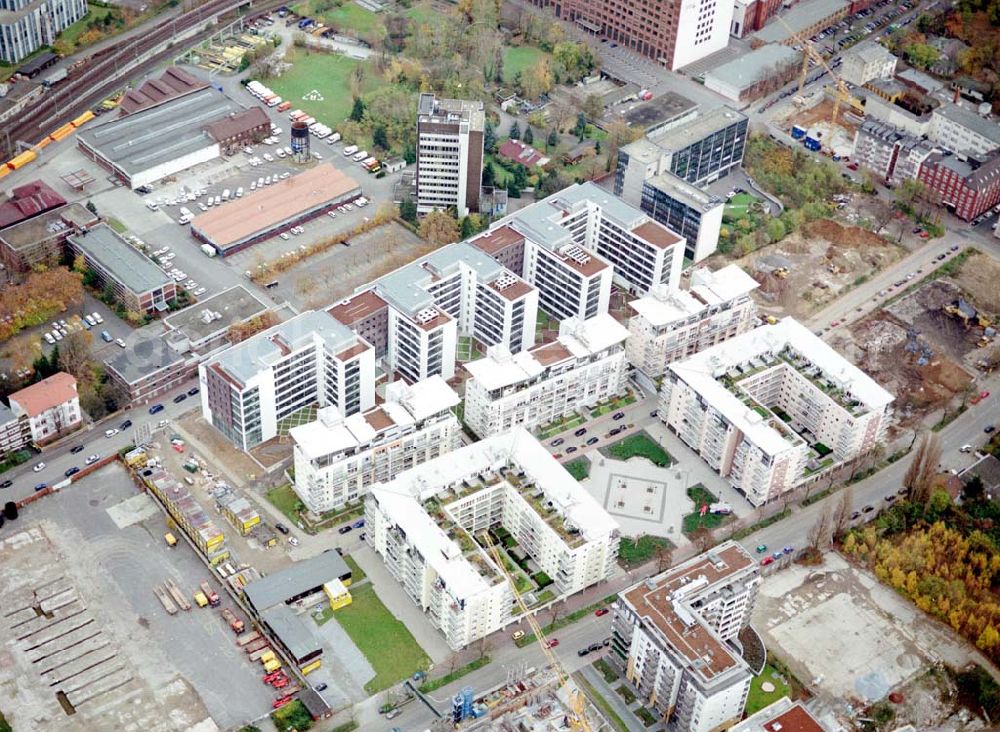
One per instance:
(842, 94)
(577, 718)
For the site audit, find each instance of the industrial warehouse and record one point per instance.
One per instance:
(166, 138)
(262, 214)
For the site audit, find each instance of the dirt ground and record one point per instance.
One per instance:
(334, 275)
(978, 277)
(209, 443)
(881, 642)
(927, 702)
(823, 261)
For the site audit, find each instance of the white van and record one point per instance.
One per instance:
(186, 213)
(239, 192)
(350, 150)
(358, 157)
(151, 205)
(225, 195)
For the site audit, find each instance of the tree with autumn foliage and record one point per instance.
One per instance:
(439, 228)
(43, 294)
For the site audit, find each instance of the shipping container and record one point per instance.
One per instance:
(798, 132)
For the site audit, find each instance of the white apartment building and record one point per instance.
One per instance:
(338, 458)
(415, 315)
(773, 408)
(449, 154)
(669, 325)
(673, 636)
(51, 407)
(309, 360)
(586, 365)
(962, 131)
(27, 25)
(13, 436)
(867, 61)
(426, 522)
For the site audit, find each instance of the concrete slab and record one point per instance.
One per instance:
(133, 510)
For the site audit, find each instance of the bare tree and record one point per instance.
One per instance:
(484, 646)
(74, 355)
(921, 490)
(819, 535)
(842, 515)
(664, 558)
(914, 468)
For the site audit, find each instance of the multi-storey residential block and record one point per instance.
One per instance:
(691, 212)
(415, 314)
(584, 366)
(449, 154)
(51, 407)
(27, 25)
(783, 714)
(338, 458)
(13, 435)
(426, 524)
(310, 360)
(670, 325)
(969, 187)
(867, 61)
(671, 33)
(700, 151)
(889, 152)
(673, 636)
(772, 408)
(961, 130)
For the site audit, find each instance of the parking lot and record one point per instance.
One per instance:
(99, 545)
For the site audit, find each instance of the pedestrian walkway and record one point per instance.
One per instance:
(614, 700)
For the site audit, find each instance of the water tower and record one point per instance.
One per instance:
(300, 142)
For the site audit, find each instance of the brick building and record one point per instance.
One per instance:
(968, 188)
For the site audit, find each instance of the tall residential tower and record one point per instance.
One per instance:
(449, 154)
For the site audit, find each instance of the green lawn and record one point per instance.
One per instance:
(117, 225)
(94, 12)
(757, 699)
(633, 553)
(640, 445)
(357, 574)
(736, 208)
(384, 640)
(285, 500)
(348, 17)
(520, 58)
(422, 14)
(694, 520)
(326, 74)
(579, 468)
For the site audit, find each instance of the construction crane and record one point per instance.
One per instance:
(842, 94)
(577, 719)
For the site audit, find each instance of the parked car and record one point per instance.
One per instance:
(358, 524)
(6, 484)
(580, 432)
(571, 448)
(282, 528)
(126, 424)
(110, 433)
(552, 643)
(557, 442)
(593, 441)
(180, 398)
(344, 529)
(91, 459)
(766, 561)
(156, 408)
(618, 415)
(293, 541)
(72, 471)
(601, 611)
(868, 509)
(39, 467)
(761, 548)
(193, 390)
(76, 449)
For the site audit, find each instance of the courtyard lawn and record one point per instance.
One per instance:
(285, 500)
(640, 445)
(758, 699)
(579, 468)
(422, 13)
(695, 521)
(348, 17)
(357, 574)
(738, 206)
(326, 75)
(385, 641)
(632, 553)
(520, 58)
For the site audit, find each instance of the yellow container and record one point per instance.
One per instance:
(199, 597)
(272, 665)
(269, 656)
(310, 667)
(170, 539)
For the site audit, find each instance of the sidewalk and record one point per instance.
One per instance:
(613, 699)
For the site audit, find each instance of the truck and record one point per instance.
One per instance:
(212, 595)
(273, 665)
(235, 623)
(798, 132)
(256, 655)
(170, 539)
(209, 250)
(266, 656)
(248, 638)
(260, 644)
(55, 77)
(200, 599)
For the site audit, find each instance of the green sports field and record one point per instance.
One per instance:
(317, 83)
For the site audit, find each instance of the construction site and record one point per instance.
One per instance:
(811, 268)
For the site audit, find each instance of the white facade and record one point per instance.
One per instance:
(672, 325)
(772, 408)
(310, 360)
(702, 29)
(424, 523)
(961, 130)
(337, 458)
(423, 345)
(172, 167)
(449, 154)
(585, 366)
(26, 25)
(867, 61)
(51, 408)
(671, 634)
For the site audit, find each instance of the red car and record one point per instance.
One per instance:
(552, 643)
(766, 561)
(602, 611)
(279, 703)
(979, 397)
(852, 166)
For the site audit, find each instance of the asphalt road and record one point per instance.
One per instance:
(59, 459)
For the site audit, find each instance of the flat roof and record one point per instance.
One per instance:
(159, 134)
(666, 602)
(216, 313)
(242, 218)
(663, 306)
(144, 354)
(127, 264)
(679, 189)
(357, 307)
(44, 226)
(663, 108)
(985, 126)
(404, 405)
(292, 631)
(783, 715)
(800, 18)
(248, 358)
(302, 576)
(749, 68)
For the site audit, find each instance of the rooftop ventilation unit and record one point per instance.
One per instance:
(425, 316)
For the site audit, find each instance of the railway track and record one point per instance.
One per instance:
(99, 76)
